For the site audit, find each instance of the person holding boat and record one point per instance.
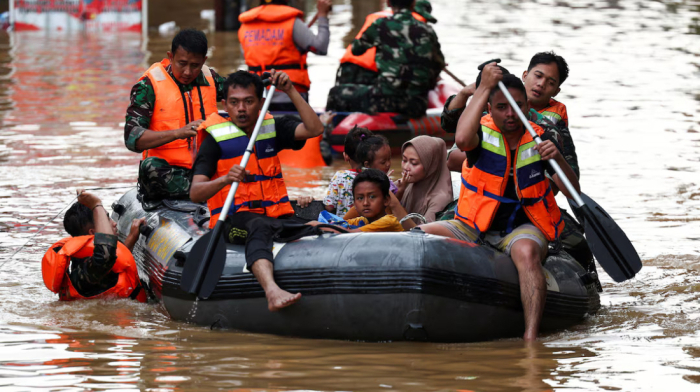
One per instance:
(362, 69)
(505, 197)
(273, 35)
(91, 263)
(409, 61)
(167, 105)
(261, 211)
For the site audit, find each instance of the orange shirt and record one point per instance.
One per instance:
(387, 223)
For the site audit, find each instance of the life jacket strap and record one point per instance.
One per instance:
(258, 178)
(252, 204)
(277, 67)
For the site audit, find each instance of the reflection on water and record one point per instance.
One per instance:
(634, 108)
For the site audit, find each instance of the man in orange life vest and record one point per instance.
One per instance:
(273, 35)
(362, 69)
(92, 263)
(167, 105)
(260, 212)
(505, 198)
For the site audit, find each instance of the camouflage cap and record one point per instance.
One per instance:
(424, 8)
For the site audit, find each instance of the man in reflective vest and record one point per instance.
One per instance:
(167, 105)
(92, 263)
(274, 35)
(505, 198)
(362, 69)
(260, 212)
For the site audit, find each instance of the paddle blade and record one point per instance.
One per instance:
(609, 244)
(201, 272)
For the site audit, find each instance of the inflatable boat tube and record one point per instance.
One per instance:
(360, 286)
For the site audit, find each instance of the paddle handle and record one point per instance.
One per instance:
(248, 151)
(552, 162)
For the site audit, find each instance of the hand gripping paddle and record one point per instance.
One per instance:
(607, 241)
(207, 259)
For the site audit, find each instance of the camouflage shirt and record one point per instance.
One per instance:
(143, 100)
(93, 275)
(408, 57)
(449, 120)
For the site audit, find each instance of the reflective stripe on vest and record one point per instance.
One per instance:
(555, 112)
(267, 41)
(263, 191)
(174, 109)
(54, 270)
(367, 60)
(484, 184)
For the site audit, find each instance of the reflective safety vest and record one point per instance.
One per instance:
(267, 41)
(367, 59)
(555, 112)
(54, 270)
(174, 109)
(263, 191)
(484, 184)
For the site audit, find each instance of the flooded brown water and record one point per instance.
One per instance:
(634, 104)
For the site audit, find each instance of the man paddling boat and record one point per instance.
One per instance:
(505, 197)
(261, 211)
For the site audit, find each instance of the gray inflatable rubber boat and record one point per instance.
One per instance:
(360, 286)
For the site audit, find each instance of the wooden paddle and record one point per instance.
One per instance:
(207, 259)
(609, 244)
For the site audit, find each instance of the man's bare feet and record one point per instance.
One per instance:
(278, 299)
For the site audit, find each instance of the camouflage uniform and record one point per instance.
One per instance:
(93, 275)
(409, 61)
(157, 179)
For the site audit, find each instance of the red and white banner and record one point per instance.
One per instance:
(70, 15)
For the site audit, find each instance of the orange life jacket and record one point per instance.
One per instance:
(267, 41)
(263, 192)
(556, 112)
(484, 184)
(54, 270)
(367, 59)
(174, 110)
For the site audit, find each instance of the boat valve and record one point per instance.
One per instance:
(146, 230)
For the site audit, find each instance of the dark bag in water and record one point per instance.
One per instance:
(158, 180)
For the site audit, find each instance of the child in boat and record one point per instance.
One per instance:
(374, 152)
(339, 198)
(372, 197)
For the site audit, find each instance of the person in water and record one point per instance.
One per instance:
(261, 211)
(505, 197)
(372, 197)
(409, 62)
(339, 198)
(91, 263)
(167, 105)
(426, 186)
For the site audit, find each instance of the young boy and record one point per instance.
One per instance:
(372, 197)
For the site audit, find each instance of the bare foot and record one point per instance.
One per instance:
(278, 299)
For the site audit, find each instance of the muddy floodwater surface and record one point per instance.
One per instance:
(633, 98)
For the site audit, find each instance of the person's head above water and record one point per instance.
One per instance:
(503, 114)
(352, 141)
(188, 54)
(78, 221)
(370, 190)
(244, 99)
(544, 76)
(374, 152)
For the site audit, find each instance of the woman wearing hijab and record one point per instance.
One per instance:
(426, 186)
